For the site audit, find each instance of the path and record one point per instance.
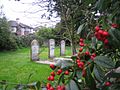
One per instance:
(53, 61)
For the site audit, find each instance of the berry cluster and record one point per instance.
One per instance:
(93, 56)
(81, 42)
(87, 53)
(52, 78)
(49, 87)
(101, 35)
(80, 63)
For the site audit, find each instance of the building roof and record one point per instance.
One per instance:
(13, 23)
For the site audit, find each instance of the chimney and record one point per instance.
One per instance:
(18, 20)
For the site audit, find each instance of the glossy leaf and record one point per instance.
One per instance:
(61, 79)
(72, 86)
(104, 61)
(98, 72)
(90, 80)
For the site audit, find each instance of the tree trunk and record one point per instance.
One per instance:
(73, 48)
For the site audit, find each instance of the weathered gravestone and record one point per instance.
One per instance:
(34, 50)
(62, 48)
(51, 48)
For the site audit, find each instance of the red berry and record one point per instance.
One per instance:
(58, 87)
(80, 50)
(48, 85)
(51, 88)
(49, 78)
(81, 44)
(92, 57)
(84, 73)
(96, 34)
(52, 78)
(80, 65)
(87, 53)
(62, 87)
(66, 72)
(88, 63)
(114, 25)
(60, 70)
(52, 66)
(99, 38)
(105, 34)
(58, 73)
(106, 41)
(97, 28)
(52, 73)
(93, 54)
(100, 32)
(81, 40)
(107, 83)
(78, 60)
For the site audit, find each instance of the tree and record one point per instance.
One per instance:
(44, 34)
(7, 42)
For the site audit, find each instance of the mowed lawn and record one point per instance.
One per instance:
(15, 66)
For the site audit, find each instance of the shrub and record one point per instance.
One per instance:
(7, 42)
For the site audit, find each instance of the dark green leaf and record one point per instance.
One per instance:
(104, 61)
(90, 80)
(66, 64)
(114, 38)
(74, 57)
(61, 79)
(79, 74)
(72, 86)
(115, 86)
(117, 64)
(98, 72)
(102, 4)
(113, 74)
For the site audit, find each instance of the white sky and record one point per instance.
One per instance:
(14, 9)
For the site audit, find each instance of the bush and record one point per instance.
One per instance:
(7, 42)
(25, 41)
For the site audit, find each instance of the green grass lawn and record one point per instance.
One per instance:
(15, 66)
(44, 52)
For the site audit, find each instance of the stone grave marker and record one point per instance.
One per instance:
(62, 48)
(51, 48)
(34, 50)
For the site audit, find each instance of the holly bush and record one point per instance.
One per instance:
(95, 67)
(97, 63)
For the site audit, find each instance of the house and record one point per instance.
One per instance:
(20, 28)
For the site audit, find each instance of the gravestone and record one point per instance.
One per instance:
(62, 48)
(51, 48)
(34, 50)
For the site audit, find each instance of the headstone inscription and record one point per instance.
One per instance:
(51, 48)
(34, 50)
(62, 48)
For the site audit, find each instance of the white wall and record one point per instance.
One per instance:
(13, 29)
(22, 31)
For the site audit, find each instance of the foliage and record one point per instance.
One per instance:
(44, 34)
(96, 66)
(7, 42)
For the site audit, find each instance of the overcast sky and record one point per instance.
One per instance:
(27, 12)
